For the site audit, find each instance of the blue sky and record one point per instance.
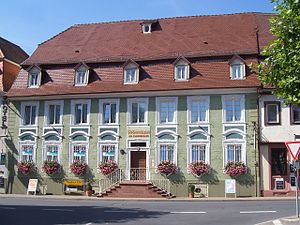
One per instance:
(30, 22)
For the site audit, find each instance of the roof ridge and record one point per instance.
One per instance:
(166, 18)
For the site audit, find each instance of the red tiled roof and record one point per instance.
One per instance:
(12, 52)
(120, 41)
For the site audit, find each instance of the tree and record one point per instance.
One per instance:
(281, 67)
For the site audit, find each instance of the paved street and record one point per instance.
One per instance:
(23, 211)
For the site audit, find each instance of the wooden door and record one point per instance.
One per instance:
(138, 165)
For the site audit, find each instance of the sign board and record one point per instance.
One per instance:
(32, 186)
(1, 182)
(294, 148)
(279, 184)
(138, 133)
(74, 183)
(230, 186)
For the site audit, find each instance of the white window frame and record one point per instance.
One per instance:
(186, 66)
(190, 100)
(160, 100)
(166, 142)
(21, 143)
(79, 71)
(22, 119)
(199, 142)
(100, 153)
(241, 65)
(136, 74)
(130, 101)
(52, 143)
(47, 108)
(81, 101)
(241, 98)
(234, 142)
(144, 25)
(71, 152)
(34, 71)
(101, 113)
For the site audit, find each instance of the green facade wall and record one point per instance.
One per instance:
(246, 184)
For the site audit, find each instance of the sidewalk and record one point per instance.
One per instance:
(282, 221)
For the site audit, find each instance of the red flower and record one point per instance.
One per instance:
(199, 167)
(167, 167)
(51, 167)
(235, 168)
(25, 167)
(107, 167)
(78, 168)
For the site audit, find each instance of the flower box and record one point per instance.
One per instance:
(199, 168)
(167, 168)
(78, 168)
(51, 167)
(235, 168)
(108, 167)
(25, 167)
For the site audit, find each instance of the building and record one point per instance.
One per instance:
(11, 56)
(141, 92)
(280, 123)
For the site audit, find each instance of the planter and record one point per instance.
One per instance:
(108, 167)
(167, 168)
(198, 168)
(78, 168)
(234, 169)
(51, 167)
(25, 167)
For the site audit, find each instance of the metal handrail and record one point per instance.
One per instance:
(112, 179)
(163, 184)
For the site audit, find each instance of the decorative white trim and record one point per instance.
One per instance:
(80, 101)
(110, 101)
(71, 153)
(46, 112)
(241, 98)
(235, 142)
(130, 101)
(99, 152)
(44, 153)
(190, 100)
(128, 160)
(159, 100)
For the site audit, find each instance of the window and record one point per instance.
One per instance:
(80, 111)
(53, 113)
(138, 110)
(81, 77)
(181, 69)
(146, 28)
(233, 108)
(51, 152)
(26, 152)
(79, 152)
(34, 77)
(166, 152)
(237, 70)
(167, 110)
(272, 115)
(198, 152)
(198, 109)
(109, 111)
(29, 113)
(108, 152)
(234, 152)
(131, 76)
(279, 161)
(295, 114)
(181, 72)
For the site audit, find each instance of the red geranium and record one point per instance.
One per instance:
(51, 167)
(25, 167)
(167, 167)
(107, 167)
(235, 168)
(78, 168)
(199, 167)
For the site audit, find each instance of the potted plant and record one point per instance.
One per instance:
(51, 167)
(108, 167)
(88, 189)
(78, 167)
(199, 168)
(25, 167)
(233, 168)
(167, 168)
(191, 190)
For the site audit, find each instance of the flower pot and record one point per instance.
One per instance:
(191, 195)
(89, 193)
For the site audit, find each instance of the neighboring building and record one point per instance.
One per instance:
(280, 123)
(140, 92)
(11, 56)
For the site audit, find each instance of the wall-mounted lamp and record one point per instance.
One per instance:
(122, 152)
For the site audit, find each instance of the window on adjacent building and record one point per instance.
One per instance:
(233, 108)
(166, 152)
(34, 77)
(234, 152)
(108, 152)
(198, 109)
(295, 114)
(138, 110)
(26, 152)
(79, 152)
(53, 113)
(29, 114)
(167, 108)
(51, 152)
(237, 70)
(272, 113)
(81, 77)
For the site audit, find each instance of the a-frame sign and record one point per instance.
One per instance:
(294, 148)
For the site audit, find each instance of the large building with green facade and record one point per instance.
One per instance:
(139, 93)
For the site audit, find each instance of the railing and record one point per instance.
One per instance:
(112, 179)
(137, 174)
(164, 184)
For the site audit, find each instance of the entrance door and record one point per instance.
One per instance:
(138, 165)
(279, 168)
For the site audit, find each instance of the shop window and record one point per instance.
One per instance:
(279, 162)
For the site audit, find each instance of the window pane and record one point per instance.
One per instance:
(163, 112)
(27, 115)
(237, 110)
(166, 152)
(296, 114)
(198, 152)
(57, 114)
(26, 152)
(84, 113)
(78, 112)
(229, 110)
(51, 114)
(272, 113)
(171, 110)
(142, 110)
(230, 153)
(134, 113)
(106, 112)
(181, 73)
(279, 161)
(194, 112)
(52, 152)
(79, 152)
(108, 152)
(113, 113)
(33, 114)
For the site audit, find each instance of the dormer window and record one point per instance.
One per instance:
(147, 28)
(237, 68)
(181, 69)
(34, 77)
(131, 73)
(81, 75)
